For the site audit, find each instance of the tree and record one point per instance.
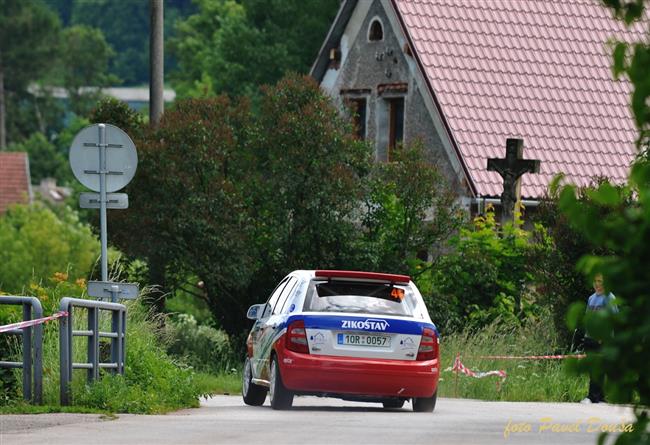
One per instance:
(84, 63)
(237, 198)
(233, 47)
(632, 60)
(193, 218)
(125, 25)
(300, 26)
(35, 243)
(485, 274)
(29, 34)
(308, 168)
(409, 209)
(44, 160)
(610, 220)
(266, 193)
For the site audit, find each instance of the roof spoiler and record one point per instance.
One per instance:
(391, 278)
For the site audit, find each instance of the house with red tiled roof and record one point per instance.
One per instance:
(465, 75)
(15, 182)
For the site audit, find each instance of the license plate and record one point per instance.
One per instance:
(377, 341)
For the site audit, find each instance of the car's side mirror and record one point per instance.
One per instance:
(255, 311)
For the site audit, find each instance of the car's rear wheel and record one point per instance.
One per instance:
(253, 394)
(425, 404)
(281, 397)
(393, 404)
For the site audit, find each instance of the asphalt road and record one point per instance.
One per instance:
(226, 420)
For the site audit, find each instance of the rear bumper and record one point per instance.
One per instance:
(359, 377)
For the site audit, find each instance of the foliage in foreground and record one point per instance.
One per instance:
(610, 220)
(621, 225)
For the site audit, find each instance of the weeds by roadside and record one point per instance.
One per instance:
(154, 382)
(527, 380)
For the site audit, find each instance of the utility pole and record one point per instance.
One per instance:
(156, 62)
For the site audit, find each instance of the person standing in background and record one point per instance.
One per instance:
(597, 301)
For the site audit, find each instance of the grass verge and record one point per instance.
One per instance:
(224, 383)
(153, 381)
(527, 380)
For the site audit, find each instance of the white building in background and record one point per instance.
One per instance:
(136, 97)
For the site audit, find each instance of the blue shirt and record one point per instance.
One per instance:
(598, 302)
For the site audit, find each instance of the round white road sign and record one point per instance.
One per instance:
(121, 157)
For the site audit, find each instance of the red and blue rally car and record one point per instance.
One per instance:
(359, 336)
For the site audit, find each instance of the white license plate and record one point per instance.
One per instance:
(377, 341)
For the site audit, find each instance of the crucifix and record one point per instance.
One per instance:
(511, 168)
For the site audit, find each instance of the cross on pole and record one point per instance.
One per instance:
(511, 168)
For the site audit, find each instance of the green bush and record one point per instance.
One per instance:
(203, 347)
(153, 382)
(397, 221)
(35, 244)
(622, 226)
(486, 275)
(44, 159)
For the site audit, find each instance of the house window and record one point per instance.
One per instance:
(395, 124)
(376, 32)
(358, 108)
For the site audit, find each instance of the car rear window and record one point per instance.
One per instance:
(356, 297)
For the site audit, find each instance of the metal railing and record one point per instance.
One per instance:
(93, 363)
(32, 363)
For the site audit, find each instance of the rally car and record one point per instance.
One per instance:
(360, 336)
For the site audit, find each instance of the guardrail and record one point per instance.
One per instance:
(32, 363)
(93, 363)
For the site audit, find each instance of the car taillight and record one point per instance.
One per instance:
(428, 349)
(296, 337)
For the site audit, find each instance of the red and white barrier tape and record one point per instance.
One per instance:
(28, 323)
(529, 357)
(459, 367)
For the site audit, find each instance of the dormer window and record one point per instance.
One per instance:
(376, 31)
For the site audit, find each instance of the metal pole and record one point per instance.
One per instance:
(93, 343)
(27, 354)
(116, 343)
(65, 365)
(156, 64)
(102, 200)
(123, 337)
(37, 395)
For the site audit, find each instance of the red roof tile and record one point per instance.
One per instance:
(14, 179)
(538, 70)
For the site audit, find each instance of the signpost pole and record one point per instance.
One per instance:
(92, 170)
(102, 200)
